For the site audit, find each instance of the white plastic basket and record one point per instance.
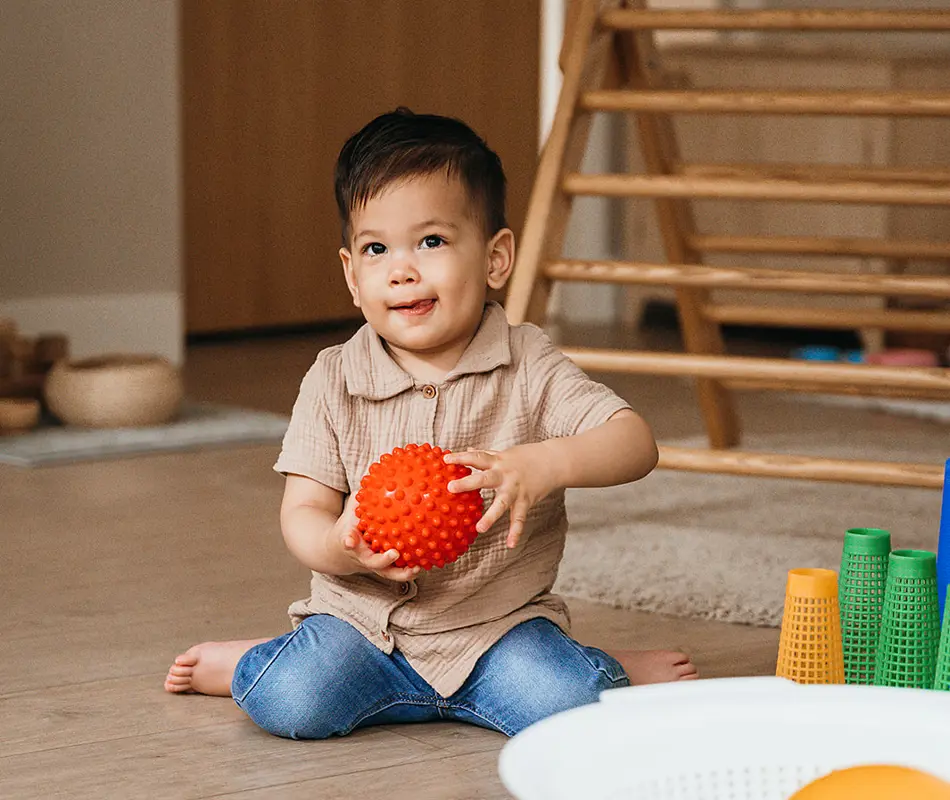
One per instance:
(728, 739)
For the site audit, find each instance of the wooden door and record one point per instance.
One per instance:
(271, 90)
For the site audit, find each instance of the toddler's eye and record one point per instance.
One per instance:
(374, 249)
(433, 240)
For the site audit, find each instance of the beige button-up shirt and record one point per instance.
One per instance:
(512, 386)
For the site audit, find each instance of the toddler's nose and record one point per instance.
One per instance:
(403, 271)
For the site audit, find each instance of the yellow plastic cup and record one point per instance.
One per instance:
(810, 649)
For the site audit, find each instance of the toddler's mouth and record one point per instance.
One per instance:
(415, 308)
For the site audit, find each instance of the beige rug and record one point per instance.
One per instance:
(719, 547)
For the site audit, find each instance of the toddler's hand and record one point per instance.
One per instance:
(368, 561)
(520, 477)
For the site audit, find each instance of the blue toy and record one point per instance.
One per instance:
(943, 548)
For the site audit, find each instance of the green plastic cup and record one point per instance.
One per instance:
(942, 680)
(910, 625)
(861, 583)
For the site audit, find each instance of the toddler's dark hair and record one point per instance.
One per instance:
(401, 144)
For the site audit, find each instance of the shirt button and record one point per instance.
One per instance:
(384, 635)
(403, 588)
(429, 391)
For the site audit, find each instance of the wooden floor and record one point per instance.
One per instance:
(109, 569)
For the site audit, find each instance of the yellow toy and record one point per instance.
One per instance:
(810, 649)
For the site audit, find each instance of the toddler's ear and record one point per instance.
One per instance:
(501, 258)
(346, 259)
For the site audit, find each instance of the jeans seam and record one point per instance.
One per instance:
(389, 702)
(583, 652)
(472, 710)
(267, 666)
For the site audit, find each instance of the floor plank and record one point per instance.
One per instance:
(103, 711)
(199, 762)
(451, 738)
(460, 777)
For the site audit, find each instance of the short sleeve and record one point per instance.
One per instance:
(567, 400)
(311, 447)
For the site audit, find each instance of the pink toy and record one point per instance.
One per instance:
(903, 358)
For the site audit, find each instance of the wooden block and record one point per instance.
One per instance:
(7, 334)
(50, 348)
(24, 386)
(18, 414)
(22, 350)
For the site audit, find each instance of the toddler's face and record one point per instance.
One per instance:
(419, 265)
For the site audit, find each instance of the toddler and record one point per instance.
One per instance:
(482, 640)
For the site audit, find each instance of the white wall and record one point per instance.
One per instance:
(90, 196)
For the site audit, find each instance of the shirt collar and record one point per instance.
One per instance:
(370, 371)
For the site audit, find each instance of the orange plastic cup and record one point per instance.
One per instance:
(810, 648)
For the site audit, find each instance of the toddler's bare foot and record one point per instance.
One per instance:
(207, 668)
(656, 666)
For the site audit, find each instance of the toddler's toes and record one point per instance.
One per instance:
(686, 670)
(181, 674)
(188, 658)
(208, 668)
(690, 674)
(676, 659)
(656, 666)
(176, 684)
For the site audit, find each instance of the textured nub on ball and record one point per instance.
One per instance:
(404, 503)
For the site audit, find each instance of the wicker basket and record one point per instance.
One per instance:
(114, 391)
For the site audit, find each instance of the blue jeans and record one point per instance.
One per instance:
(325, 679)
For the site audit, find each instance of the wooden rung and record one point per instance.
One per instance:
(821, 172)
(708, 101)
(844, 246)
(772, 280)
(614, 185)
(829, 318)
(772, 465)
(754, 370)
(840, 389)
(802, 20)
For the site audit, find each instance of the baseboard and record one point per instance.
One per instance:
(98, 324)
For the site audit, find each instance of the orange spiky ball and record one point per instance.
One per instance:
(403, 503)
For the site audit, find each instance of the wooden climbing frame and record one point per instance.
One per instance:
(610, 64)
